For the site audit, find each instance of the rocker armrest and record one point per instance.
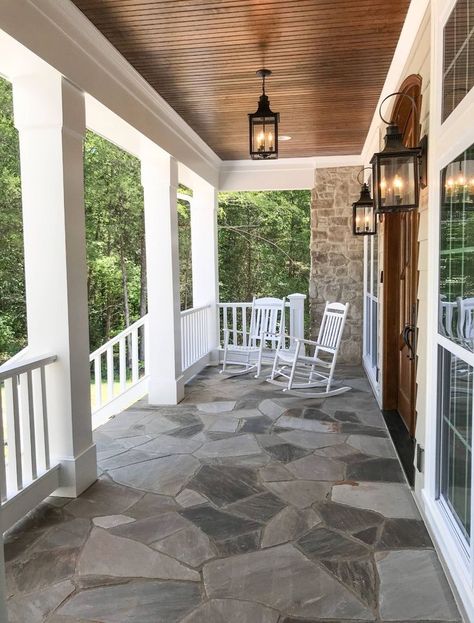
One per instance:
(311, 342)
(232, 331)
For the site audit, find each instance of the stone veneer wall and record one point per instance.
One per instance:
(336, 255)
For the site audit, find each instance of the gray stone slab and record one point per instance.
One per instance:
(314, 467)
(275, 472)
(224, 425)
(219, 525)
(216, 407)
(231, 446)
(111, 521)
(347, 518)
(323, 544)
(135, 602)
(129, 457)
(36, 606)
(188, 498)
(283, 579)
(286, 452)
(316, 426)
(164, 445)
(388, 499)
(261, 507)
(404, 533)
(232, 611)
(166, 475)
(271, 409)
(375, 470)
(153, 528)
(103, 498)
(357, 575)
(300, 493)
(40, 569)
(288, 525)
(373, 446)
(151, 504)
(110, 555)
(190, 546)
(225, 484)
(413, 587)
(68, 534)
(311, 440)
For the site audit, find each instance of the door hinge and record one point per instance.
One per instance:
(381, 276)
(420, 458)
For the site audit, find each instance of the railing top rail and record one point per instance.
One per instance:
(9, 369)
(114, 340)
(244, 304)
(187, 312)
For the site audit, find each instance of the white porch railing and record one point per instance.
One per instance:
(26, 473)
(119, 370)
(194, 335)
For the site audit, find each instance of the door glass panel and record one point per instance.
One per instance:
(456, 302)
(455, 412)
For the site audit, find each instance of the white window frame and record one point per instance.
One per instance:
(371, 299)
(447, 141)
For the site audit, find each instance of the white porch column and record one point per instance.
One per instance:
(160, 184)
(205, 257)
(50, 116)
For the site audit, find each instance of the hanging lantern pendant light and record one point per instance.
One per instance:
(263, 126)
(364, 222)
(396, 170)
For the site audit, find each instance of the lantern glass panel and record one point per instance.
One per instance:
(397, 177)
(364, 220)
(263, 135)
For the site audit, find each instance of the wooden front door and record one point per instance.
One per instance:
(407, 286)
(400, 271)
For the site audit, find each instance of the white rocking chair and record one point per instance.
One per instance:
(316, 372)
(267, 323)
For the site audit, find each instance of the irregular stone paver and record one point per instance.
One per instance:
(216, 407)
(317, 468)
(106, 554)
(190, 546)
(225, 484)
(372, 446)
(137, 601)
(389, 499)
(282, 578)
(307, 439)
(166, 475)
(232, 611)
(39, 603)
(288, 525)
(413, 587)
(300, 493)
(230, 446)
(273, 523)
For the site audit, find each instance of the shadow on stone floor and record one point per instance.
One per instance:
(238, 505)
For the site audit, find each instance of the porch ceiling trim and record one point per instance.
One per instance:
(69, 42)
(282, 174)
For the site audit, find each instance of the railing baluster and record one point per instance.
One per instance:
(3, 476)
(110, 372)
(27, 414)
(47, 459)
(135, 355)
(234, 324)
(98, 380)
(122, 364)
(14, 469)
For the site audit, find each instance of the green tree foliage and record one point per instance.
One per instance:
(115, 238)
(12, 281)
(263, 244)
(263, 240)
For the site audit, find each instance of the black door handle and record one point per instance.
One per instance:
(407, 332)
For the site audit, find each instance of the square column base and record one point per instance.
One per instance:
(165, 392)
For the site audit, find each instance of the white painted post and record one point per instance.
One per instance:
(50, 116)
(205, 258)
(297, 314)
(160, 184)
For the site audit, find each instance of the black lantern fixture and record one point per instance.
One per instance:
(263, 126)
(364, 222)
(396, 170)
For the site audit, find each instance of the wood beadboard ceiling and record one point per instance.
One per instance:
(329, 60)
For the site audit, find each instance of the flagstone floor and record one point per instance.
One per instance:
(239, 505)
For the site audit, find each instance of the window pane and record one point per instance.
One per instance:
(455, 407)
(456, 304)
(457, 64)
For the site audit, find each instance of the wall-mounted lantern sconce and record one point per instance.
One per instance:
(458, 181)
(263, 126)
(396, 169)
(364, 222)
